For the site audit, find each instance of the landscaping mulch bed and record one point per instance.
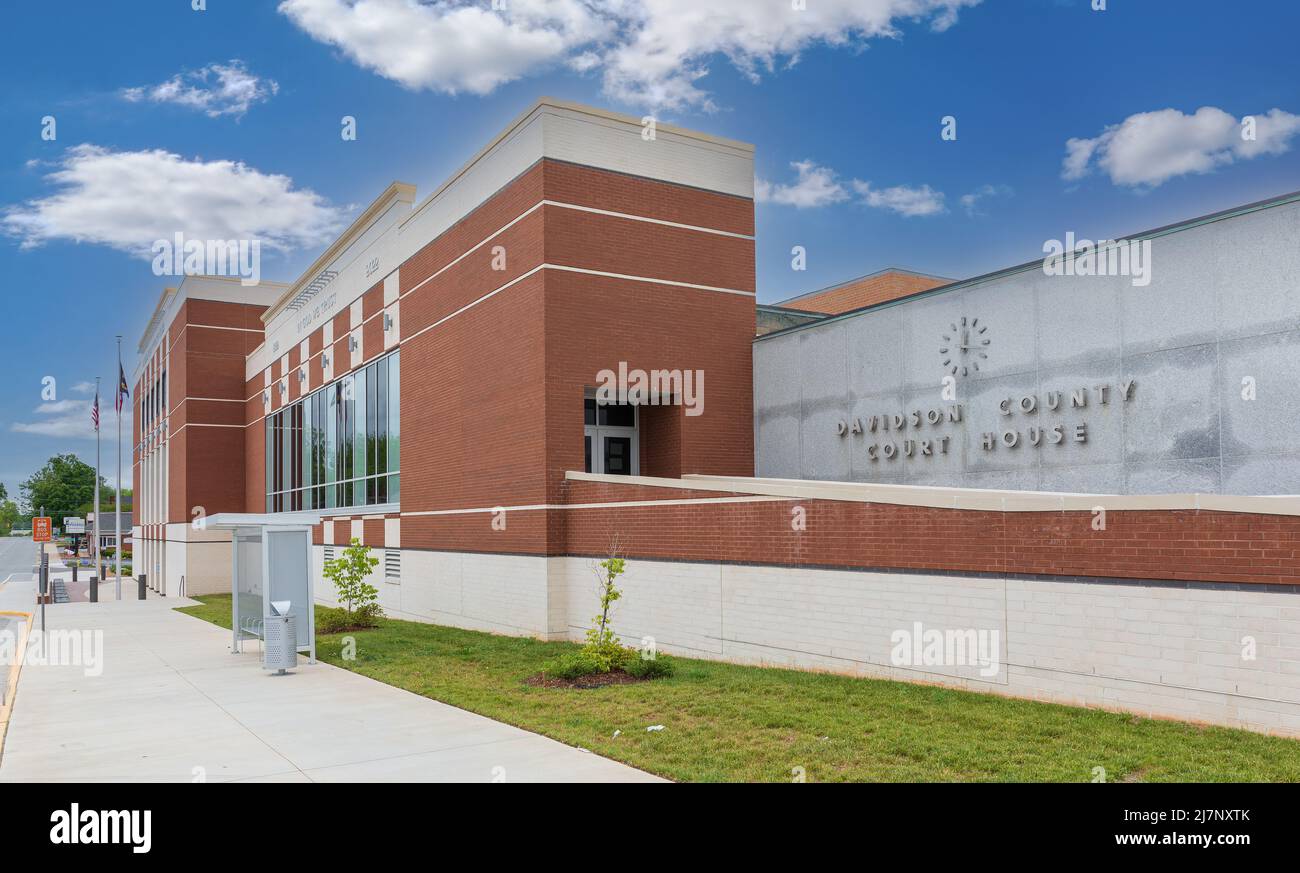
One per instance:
(346, 628)
(591, 680)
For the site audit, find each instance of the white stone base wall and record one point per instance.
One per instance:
(196, 562)
(1154, 650)
(499, 593)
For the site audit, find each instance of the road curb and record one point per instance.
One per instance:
(11, 687)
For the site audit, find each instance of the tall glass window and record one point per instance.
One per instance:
(331, 445)
(338, 447)
(394, 428)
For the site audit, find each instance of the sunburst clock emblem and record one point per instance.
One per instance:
(964, 347)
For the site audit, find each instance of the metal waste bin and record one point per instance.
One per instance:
(279, 639)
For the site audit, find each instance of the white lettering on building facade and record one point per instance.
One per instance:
(916, 439)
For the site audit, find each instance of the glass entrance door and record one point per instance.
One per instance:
(611, 437)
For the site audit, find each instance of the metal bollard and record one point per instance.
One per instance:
(43, 586)
(94, 589)
(74, 569)
(140, 582)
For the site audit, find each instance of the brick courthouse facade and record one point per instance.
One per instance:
(428, 387)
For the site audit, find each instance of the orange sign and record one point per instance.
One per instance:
(41, 529)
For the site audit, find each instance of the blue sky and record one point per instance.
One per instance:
(156, 104)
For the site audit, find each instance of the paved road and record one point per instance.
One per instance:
(11, 628)
(17, 555)
(167, 701)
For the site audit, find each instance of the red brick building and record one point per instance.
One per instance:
(431, 386)
(878, 287)
(881, 286)
(188, 427)
(439, 360)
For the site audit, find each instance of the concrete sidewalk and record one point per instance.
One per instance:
(173, 704)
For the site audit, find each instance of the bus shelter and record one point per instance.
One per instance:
(270, 573)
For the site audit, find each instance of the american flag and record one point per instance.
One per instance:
(94, 410)
(123, 392)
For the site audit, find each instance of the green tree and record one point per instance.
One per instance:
(62, 486)
(9, 515)
(348, 572)
(107, 502)
(603, 648)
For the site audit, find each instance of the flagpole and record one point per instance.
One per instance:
(117, 503)
(99, 568)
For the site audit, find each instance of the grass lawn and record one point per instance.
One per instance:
(724, 722)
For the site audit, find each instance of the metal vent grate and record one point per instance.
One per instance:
(329, 553)
(392, 564)
(311, 290)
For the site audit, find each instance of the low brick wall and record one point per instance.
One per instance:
(1173, 545)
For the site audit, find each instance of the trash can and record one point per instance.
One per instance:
(279, 639)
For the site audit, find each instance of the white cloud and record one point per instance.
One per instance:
(61, 418)
(665, 45)
(451, 46)
(1078, 154)
(217, 89)
(650, 52)
(127, 200)
(1150, 148)
(53, 406)
(84, 388)
(815, 186)
(970, 202)
(904, 200)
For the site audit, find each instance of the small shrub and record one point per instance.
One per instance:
(575, 665)
(331, 620)
(348, 572)
(659, 667)
(572, 665)
(334, 619)
(368, 615)
(607, 655)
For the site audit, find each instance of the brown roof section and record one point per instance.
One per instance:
(879, 287)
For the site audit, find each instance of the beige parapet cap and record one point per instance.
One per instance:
(941, 497)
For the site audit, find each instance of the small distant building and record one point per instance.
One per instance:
(108, 535)
(881, 286)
